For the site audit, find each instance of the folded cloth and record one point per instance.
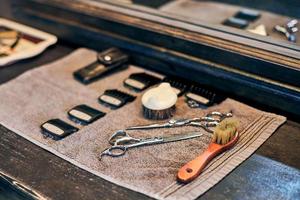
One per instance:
(50, 91)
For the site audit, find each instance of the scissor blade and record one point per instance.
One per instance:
(150, 126)
(183, 136)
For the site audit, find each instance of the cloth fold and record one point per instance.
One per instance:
(50, 91)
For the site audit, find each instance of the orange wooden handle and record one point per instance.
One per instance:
(192, 169)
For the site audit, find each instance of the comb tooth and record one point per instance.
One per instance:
(204, 92)
(122, 95)
(213, 97)
(180, 85)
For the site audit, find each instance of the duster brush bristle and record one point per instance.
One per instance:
(225, 131)
(159, 103)
(158, 114)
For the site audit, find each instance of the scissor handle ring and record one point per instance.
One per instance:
(114, 151)
(116, 135)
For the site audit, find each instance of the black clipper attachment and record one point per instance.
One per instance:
(140, 81)
(57, 129)
(108, 61)
(83, 114)
(202, 97)
(236, 22)
(115, 98)
(180, 86)
(247, 14)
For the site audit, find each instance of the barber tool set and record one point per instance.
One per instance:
(157, 103)
(224, 137)
(121, 140)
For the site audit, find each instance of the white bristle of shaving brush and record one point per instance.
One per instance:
(159, 103)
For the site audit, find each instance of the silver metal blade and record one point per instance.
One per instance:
(150, 126)
(183, 136)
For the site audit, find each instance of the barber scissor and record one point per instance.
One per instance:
(210, 120)
(122, 141)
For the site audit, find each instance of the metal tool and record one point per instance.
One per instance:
(289, 30)
(122, 141)
(292, 23)
(290, 36)
(210, 120)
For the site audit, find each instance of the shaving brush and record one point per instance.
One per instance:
(159, 103)
(225, 136)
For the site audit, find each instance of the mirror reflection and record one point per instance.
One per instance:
(269, 18)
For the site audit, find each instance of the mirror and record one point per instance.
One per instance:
(269, 20)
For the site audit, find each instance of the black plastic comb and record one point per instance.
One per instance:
(140, 81)
(84, 114)
(236, 23)
(115, 98)
(201, 96)
(178, 84)
(249, 15)
(57, 129)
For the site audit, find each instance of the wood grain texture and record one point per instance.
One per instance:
(58, 179)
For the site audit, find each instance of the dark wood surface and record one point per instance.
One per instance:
(57, 179)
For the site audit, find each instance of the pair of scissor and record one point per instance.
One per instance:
(122, 141)
(212, 119)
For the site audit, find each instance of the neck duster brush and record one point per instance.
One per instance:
(225, 136)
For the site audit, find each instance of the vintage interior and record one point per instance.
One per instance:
(245, 53)
(218, 49)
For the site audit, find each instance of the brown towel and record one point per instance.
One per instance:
(50, 91)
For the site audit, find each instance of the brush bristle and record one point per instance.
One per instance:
(225, 131)
(158, 114)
